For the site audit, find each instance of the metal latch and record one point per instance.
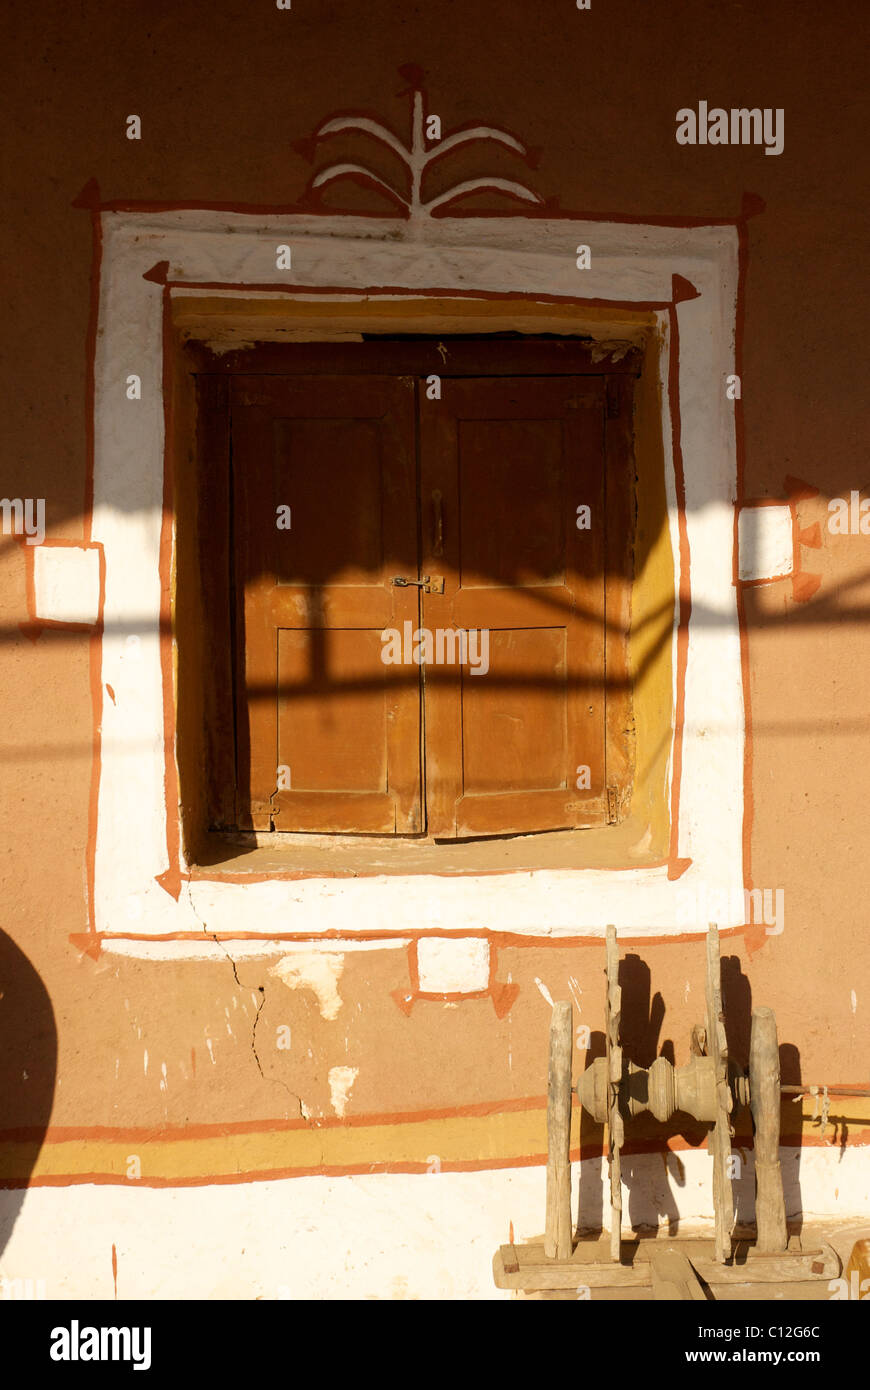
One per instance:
(433, 585)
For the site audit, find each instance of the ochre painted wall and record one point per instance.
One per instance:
(224, 90)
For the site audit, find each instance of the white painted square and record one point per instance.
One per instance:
(66, 581)
(448, 966)
(766, 547)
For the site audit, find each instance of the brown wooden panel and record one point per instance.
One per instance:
(353, 813)
(332, 710)
(514, 730)
(204, 561)
(315, 695)
(535, 606)
(619, 566)
(447, 356)
(504, 465)
(332, 470)
(512, 524)
(343, 606)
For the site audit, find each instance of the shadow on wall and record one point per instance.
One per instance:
(649, 1188)
(28, 1066)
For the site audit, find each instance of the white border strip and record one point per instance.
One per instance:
(353, 255)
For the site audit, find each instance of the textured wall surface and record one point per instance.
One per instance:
(108, 1049)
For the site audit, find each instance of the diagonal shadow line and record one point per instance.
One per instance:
(821, 611)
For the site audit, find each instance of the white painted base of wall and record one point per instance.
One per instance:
(384, 1236)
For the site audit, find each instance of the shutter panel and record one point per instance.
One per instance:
(512, 459)
(313, 600)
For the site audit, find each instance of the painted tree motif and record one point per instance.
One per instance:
(417, 156)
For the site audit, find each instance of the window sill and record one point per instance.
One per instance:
(626, 845)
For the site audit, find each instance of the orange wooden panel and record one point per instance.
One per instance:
(315, 695)
(342, 606)
(332, 710)
(514, 733)
(512, 459)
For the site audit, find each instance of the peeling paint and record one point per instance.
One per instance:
(314, 970)
(341, 1080)
(544, 991)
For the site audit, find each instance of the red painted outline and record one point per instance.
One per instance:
(593, 1149)
(35, 624)
(502, 994)
(681, 290)
(804, 583)
(91, 943)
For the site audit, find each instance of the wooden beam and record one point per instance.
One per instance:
(558, 1238)
(673, 1277)
(764, 1101)
(526, 1267)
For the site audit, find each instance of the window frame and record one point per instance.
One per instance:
(675, 286)
(213, 813)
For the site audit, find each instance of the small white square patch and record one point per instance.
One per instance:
(765, 542)
(66, 582)
(448, 966)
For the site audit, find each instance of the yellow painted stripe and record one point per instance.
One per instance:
(513, 1137)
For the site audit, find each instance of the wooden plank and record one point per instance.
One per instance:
(619, 560)
(771, 1268)
(504, 466)
(487, 813)
(535, 1271)
(615, 1121)
(332, 605)
(564, 1274)
(765, 1102)
(443, 355)
(558, 1237)
(314, 693)
(719, 1139)
(207, 569)
(674, 1278)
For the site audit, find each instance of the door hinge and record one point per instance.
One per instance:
(263, 814)
(612, 804)
(614, 400)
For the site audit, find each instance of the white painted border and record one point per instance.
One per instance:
(376, 1235)
(351, 256)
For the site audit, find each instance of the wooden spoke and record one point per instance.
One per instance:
(719, 1142)
(615, 1127)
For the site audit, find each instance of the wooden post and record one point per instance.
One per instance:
(558, 1238)
(764, 1101)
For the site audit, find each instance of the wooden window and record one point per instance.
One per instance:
(315, 697)
(508, 720)
(512, 458)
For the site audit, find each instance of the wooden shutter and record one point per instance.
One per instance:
(314, 695)
(505, 463)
